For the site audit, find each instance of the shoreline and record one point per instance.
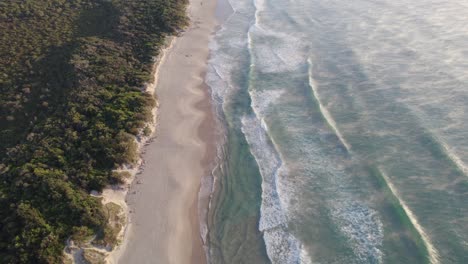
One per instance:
(209, 192)
(180, 212)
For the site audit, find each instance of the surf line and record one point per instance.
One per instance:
(452, 156)
(326, 115)
(432, 251)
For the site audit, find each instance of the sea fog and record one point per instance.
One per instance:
(347, 132)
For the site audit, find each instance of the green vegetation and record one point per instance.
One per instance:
(71, 103)
(93, 257)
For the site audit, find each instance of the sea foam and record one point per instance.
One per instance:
(282, 247)
(363, 228)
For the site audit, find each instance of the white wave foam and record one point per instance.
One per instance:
(259, 5)
(219, 86)
(219, 74)
(304, 257)
(282, 247)
(240, 6)
(363, 228)
(275, 52)
(262, 99)
(323, 109)
(269, 163)
(453, 157)
(433, 253)
(449, 151)
(226, 48)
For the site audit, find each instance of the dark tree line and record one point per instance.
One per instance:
(71, 102)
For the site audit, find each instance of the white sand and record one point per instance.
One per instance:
(117, 193)
(162, 200)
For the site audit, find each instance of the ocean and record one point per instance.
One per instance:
(346, 132)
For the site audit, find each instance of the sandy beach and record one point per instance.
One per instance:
(164, 226)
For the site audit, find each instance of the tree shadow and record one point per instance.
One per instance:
(101, 21)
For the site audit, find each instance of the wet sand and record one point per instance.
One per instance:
(163, 200)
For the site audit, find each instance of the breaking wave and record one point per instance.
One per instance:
(326, 115)
(432, 251)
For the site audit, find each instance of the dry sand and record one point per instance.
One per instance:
(164, 225)
(117, 194)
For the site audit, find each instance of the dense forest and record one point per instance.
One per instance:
(71, 103)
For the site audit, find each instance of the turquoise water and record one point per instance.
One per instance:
(346, 132)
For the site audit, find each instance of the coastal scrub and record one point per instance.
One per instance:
(71, 104)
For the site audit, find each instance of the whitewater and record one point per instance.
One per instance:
(346, 132)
